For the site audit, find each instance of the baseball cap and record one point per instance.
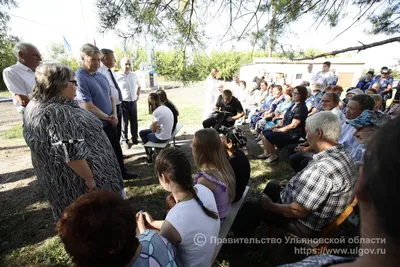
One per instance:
(235, 134)
(367, 118)
(355, 92)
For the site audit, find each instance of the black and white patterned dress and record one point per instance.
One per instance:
(59, 131)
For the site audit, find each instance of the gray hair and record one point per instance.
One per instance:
(21, 47)
(89, 50)
(328, 122)
(105, 52)
(50, 79)
(377, 98)
(336, 98)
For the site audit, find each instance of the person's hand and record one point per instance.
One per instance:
(229, 119)
(141, 222)
(283, 183)
(113, 120)
(148, 220)
(265, 201)
(301, 148)
(169, 202)
(91, 185)
(276, 130)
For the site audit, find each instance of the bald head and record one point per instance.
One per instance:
(126, 64)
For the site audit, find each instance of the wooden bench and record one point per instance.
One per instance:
(159, 146)
(227, 223)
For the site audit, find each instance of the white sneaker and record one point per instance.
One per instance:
(263, 156)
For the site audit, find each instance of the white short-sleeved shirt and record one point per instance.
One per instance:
(129, 84)
(19, 80)
(165, 118)
(324, 79)
(114, 92)
(235, 89)
(197, 230)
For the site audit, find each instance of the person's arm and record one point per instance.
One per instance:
(169, 232)
(81, 168)
(89, 106)
(238, 116)
(293, 210)
(295, 123)
(389, 88)
(113, 117)
(16, 86)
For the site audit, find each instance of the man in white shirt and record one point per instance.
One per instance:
(236, 86)
(324, 77)
(20, 78)
(309, 75)
(106, 68)
(129, 83)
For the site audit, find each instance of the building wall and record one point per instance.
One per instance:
(348, 71)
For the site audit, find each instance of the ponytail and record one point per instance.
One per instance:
(208, 212)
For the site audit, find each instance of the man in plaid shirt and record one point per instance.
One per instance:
(315, 196)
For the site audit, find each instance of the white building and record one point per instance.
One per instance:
(349, 71)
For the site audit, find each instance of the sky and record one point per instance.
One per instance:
(44, 21)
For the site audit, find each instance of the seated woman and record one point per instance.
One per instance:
(268, 114)
(290, 129)
(165, 101)
(194, 211)
(265, 99)
(279, 112)
(215, 171)
(92, 239)
(233, 139)
(161, 128)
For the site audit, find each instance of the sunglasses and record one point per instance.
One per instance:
(74, 82)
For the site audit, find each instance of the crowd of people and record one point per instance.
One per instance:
(75, 124)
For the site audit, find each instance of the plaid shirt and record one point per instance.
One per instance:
(325, 187)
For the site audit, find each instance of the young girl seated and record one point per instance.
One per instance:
(168, 103)
(215, 171)
(161, 128)
(193, 214)
(100, 228)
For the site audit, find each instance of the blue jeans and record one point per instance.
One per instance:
(146, 136)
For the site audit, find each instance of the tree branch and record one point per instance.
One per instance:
(354, 48)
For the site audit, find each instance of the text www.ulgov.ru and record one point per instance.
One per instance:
(340, 251)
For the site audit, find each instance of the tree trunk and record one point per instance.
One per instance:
(272, 29)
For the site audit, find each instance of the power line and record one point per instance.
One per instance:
(45, 25)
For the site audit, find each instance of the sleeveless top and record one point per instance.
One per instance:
(221, 194)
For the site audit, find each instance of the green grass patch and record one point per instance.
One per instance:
(5, 94)
(50, 252)
(14, 132)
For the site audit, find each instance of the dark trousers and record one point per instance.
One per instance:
(216, 124)
(251, 214)
(300, 160)
(111, 133)
(146, 136)
(129, 116)
(118, 127)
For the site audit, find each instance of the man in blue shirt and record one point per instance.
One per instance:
(94, 95)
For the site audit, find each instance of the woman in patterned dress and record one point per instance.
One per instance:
(70, 152)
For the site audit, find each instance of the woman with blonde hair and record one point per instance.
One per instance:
(215, 171)
(70, 152)
(211, 93)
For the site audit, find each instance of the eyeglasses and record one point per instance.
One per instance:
(74, 82)
(384, 73)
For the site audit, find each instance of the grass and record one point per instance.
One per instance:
(5, 94)
(34, 243)
(15, 132)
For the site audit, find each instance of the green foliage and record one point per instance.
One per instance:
(137, 56)
(58, 53)
(7, 57)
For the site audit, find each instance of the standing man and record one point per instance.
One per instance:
(94, 95)
(324, 77)
(106, 66)
(20, 78)
(309, 75)
(129, 83)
